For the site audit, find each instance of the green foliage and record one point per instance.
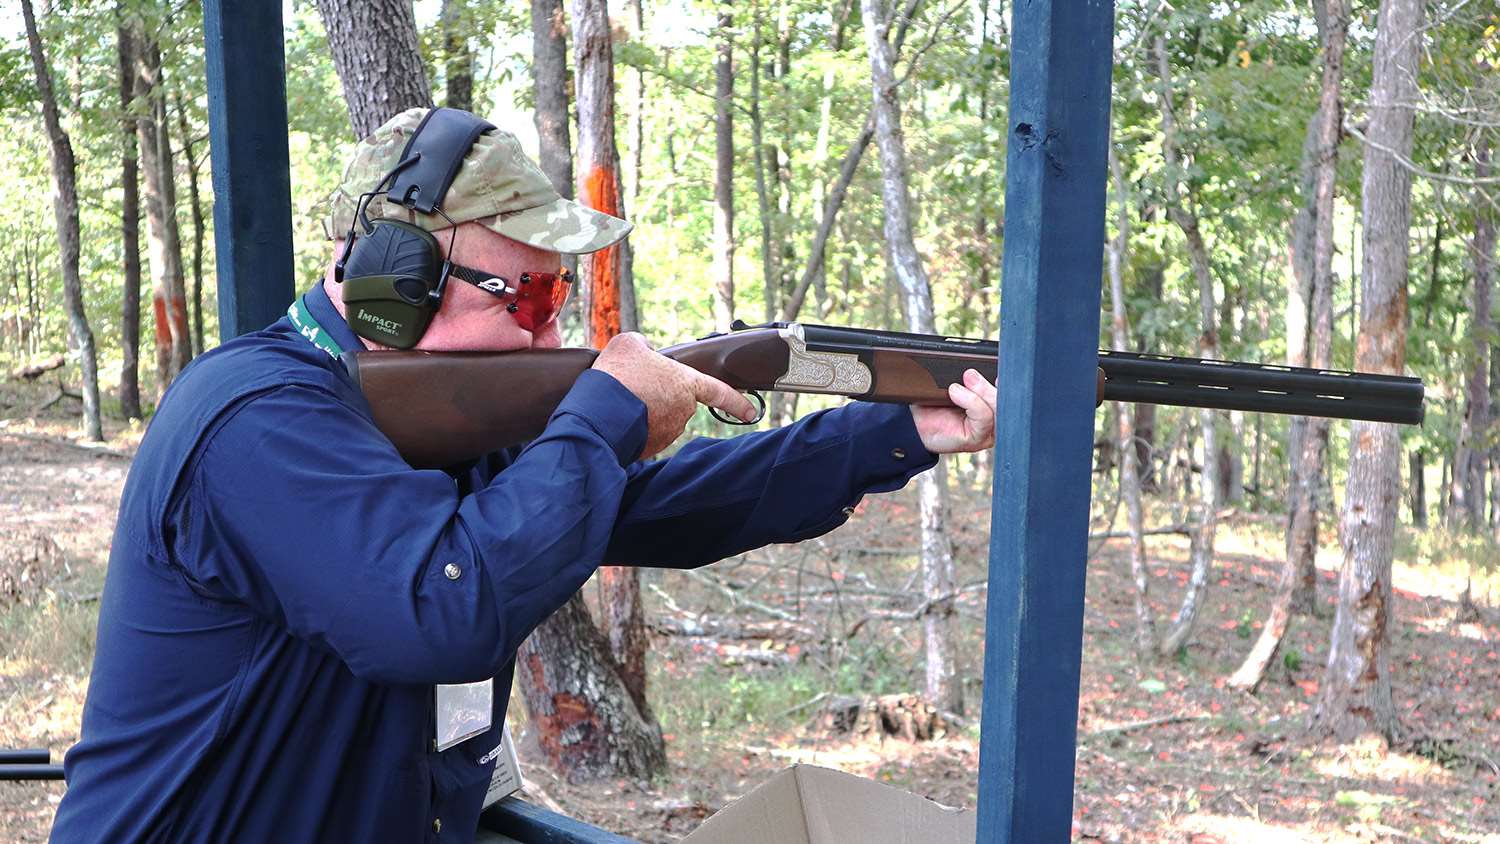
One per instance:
(1291, 659)
(726, 696)
(1450, 551)
(1151, 685)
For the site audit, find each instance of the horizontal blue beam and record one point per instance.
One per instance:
(1057, 132)
(532, 824)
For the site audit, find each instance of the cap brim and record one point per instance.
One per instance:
(563, 226)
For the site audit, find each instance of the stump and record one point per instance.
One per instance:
(29, 563)
(906, 716)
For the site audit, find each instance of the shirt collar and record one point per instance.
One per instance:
(322, 310)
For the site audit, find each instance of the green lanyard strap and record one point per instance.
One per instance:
(302, 320)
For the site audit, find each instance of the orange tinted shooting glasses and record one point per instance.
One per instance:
(535, 298)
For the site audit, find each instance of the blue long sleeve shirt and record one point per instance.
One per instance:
(284, 591)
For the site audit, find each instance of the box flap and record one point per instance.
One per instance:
(806, 804)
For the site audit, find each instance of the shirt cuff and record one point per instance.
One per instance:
(886, 434)
(613, 412)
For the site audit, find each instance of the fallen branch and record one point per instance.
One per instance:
(718, 628)
(31, 372)
(1133, 726)
(737, 599)
(1181, 530)
(815, 699)
(101, 450)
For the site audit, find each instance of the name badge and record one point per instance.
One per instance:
(462, 711)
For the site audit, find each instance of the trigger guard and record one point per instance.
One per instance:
(760, 414)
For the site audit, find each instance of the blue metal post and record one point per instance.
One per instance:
(1058, 128)
(247, 134)
(518, 820)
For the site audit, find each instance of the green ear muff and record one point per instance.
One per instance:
(376, 309)
(393, 283)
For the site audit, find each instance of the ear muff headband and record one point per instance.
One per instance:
(439, 145)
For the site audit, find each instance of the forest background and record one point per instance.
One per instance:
(1288, 182)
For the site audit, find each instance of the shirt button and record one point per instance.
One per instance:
(898, 453)
(437, 824)
(453, 571)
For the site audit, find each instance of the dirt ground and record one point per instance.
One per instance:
(1166, 752)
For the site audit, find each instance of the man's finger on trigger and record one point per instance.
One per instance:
(715, 393)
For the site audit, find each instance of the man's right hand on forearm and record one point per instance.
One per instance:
(670, 390)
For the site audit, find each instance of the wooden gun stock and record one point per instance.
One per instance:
(442, 409)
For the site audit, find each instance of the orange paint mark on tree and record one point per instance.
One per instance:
(600, 193)
(569, 732)
(162, 324)
(180, 319)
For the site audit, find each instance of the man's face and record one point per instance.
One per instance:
(472, 320)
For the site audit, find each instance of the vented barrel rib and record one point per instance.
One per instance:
(1262, 388)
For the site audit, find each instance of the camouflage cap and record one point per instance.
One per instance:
(497, 185)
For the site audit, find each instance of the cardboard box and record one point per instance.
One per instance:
(805, 804)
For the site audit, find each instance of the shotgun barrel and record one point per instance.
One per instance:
(28, 756)
(1160, 379)
(16, 773)
(1260, 388)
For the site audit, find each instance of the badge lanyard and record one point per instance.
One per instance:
(302, 320)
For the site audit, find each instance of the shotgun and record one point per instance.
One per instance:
(444, 408)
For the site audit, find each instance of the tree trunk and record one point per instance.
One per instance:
(1130, 482)
(834, 201)
(593, 722)
(781, 154)
(982, 462)
(1201, 551)
(1232, 461)
(458, 56)
(606, 274)
(637, 139)
(168, 294)
(549, 61)
(723, 269)
(549, 65)
(374, 46)
(1417, 482)
(762, 192)
(820, 159)
(130, 228)
(1153, 279)
(1297, 585)
(585, 718)
(1356, 691)
(1435, 278)
(65, 211)
(195, 206)
(942, 688)
(1469, 463)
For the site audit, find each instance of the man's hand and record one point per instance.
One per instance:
(968, 427)
(670, 391)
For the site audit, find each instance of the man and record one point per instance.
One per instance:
(285, 593)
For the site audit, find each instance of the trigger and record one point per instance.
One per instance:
(759, 415)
